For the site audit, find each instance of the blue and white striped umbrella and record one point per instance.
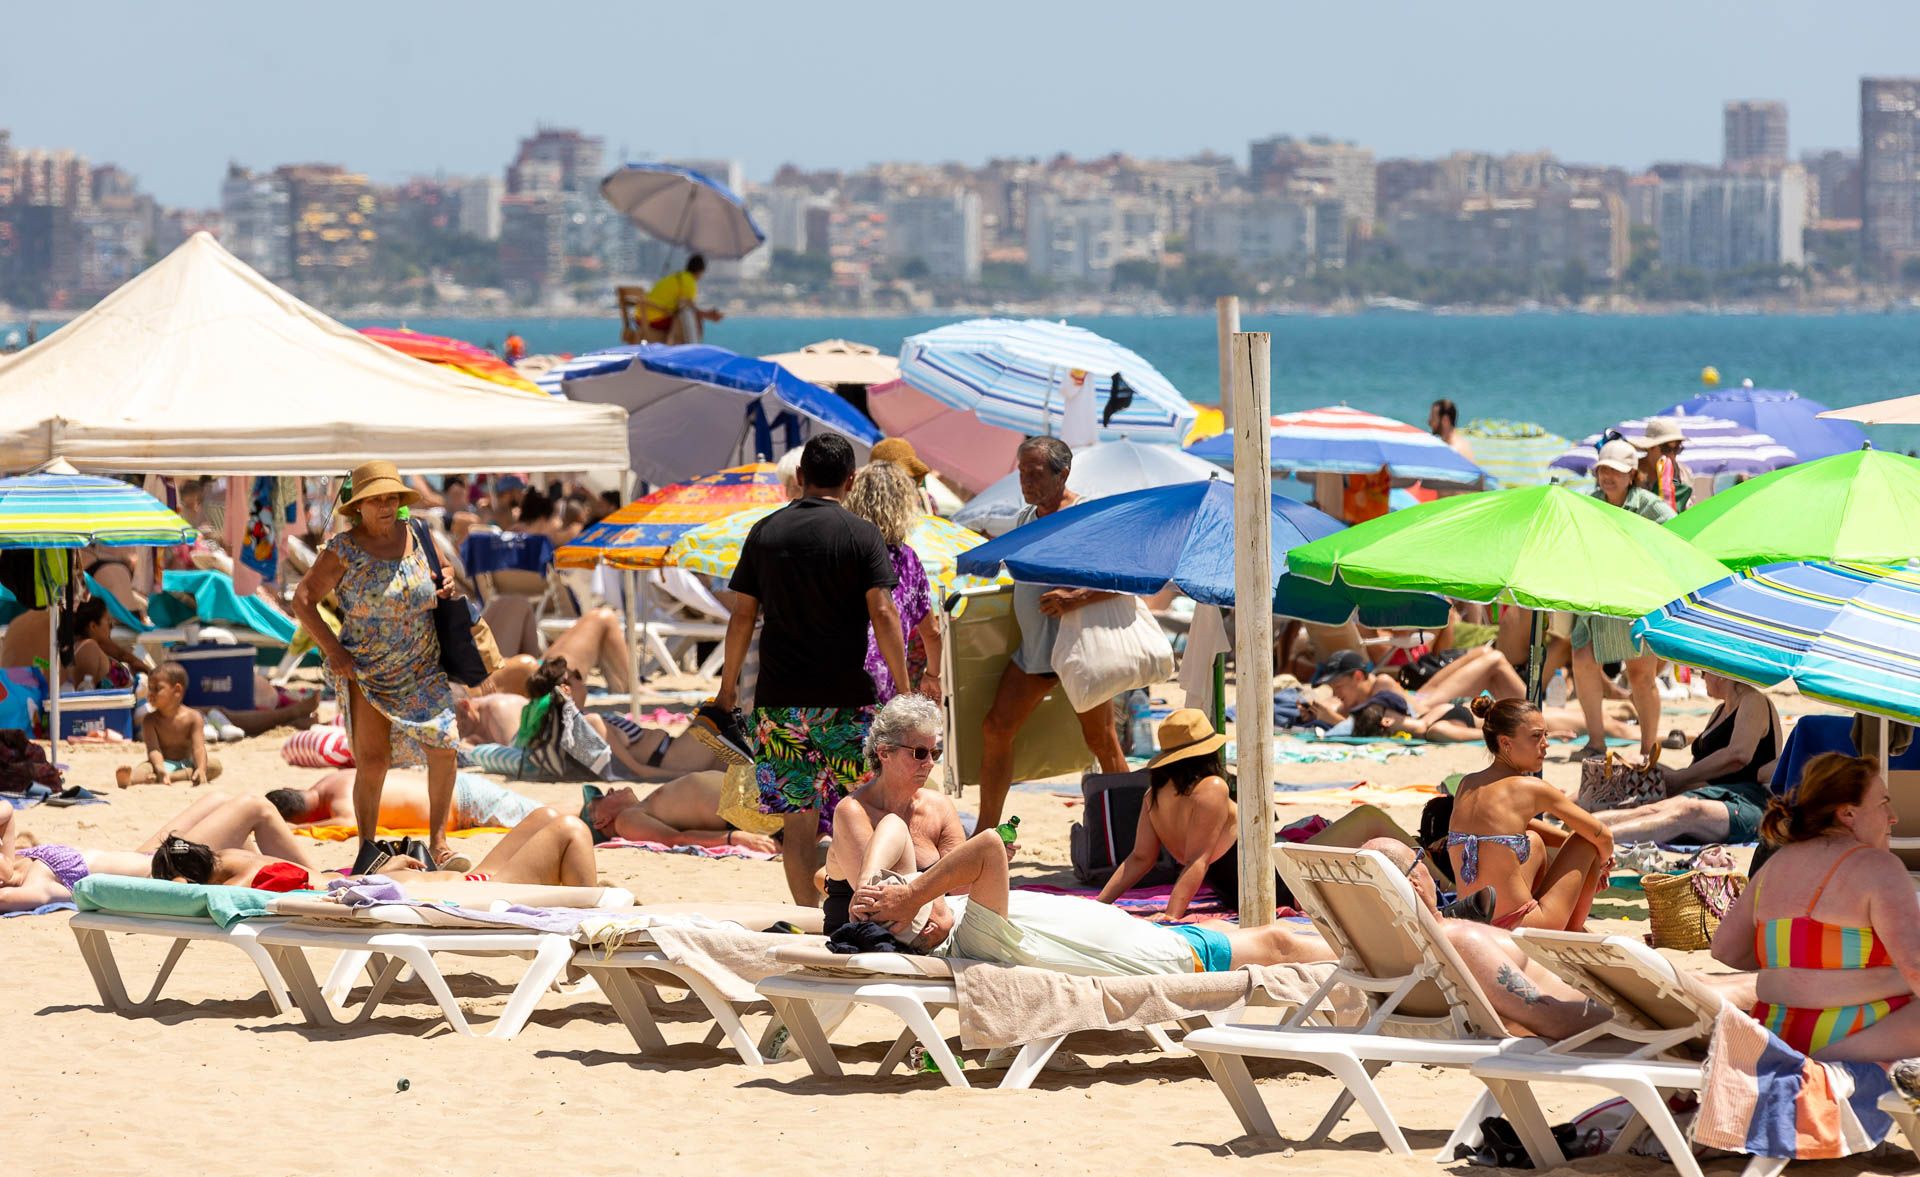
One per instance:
(1713, 446)
(683, 207)
(1847, 634)
(1014, 372)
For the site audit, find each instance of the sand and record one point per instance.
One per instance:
(217, 1084)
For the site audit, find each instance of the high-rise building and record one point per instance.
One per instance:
(479, 200)
(789, 210)
(1889, 173)
(942, 231)
(6, 166)
(52, 178)
(1833, 184)
(332, 214)
(1733, 221)
(1254, 230)
(533, 246)
(1316, 166)
(1755, 134)
(1072, 240)
(556, 159)
(256, 212)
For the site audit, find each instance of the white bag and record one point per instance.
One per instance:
(1108, 647)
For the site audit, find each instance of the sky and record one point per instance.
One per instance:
(173, 92)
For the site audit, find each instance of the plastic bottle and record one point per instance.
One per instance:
(1557, 689)
(1009, 830)
(1140, 723)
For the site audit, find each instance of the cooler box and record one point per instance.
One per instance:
(217, 675)
(86, 713)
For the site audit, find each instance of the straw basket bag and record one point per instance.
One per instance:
(1686, 909)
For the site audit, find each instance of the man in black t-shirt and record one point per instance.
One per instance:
(819, 575)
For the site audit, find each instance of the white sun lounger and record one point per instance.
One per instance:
(1906, 1116)
(91, 930)
(1423, 1007)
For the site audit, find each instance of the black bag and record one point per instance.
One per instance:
(453, 619)
(1101, 842)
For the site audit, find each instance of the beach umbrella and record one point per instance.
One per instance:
(639, 534)
(695, 407)
(457, 354)
(1714, 446)
(714, 549)
(1098, 471)
(1207, 422)
(1015, 373)
(1787, 417)
(1141, 541)
(1514, 453)
(683, 207)
(838, 361)
(1340, 440)
(964, 449)
(1861, 506)
(1847, 634)
(1901, 410)
(1539, 547)
(59, 509)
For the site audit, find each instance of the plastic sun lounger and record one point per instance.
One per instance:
(91, 930)
(1906, 1116)
(913, 988)
(1392, 952)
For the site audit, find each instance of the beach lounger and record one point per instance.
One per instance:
(1422, 1006)
(182, 913)
(1906, 1116)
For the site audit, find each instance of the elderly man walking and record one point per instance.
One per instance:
(1044, 463)
(820, 574)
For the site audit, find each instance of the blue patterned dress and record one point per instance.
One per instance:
(387, 626)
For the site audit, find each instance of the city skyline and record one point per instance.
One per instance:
(391, 100)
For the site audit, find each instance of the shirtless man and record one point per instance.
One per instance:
(1351, 679)
(682, 812)
(477, 802)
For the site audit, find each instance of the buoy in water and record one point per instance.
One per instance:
(1710, 376)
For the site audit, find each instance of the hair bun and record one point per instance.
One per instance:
(1481, 706)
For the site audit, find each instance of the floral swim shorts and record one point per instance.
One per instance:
(807, 757)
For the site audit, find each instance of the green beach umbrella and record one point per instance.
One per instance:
(1540, 547)
(1861, 507)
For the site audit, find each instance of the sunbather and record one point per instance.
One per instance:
(90, 655)
(595, 640)
(1723, 794)
(1067, 933)
(1454, 723)
(682, 812)
(1496, 840)
(644, 754)
(477, 802)
(1351, 679)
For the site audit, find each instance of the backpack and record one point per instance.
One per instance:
(1104, 839)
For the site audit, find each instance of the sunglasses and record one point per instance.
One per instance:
(933, 753)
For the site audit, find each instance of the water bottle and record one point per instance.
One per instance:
(1139, 724)
(1009, 830)
(1557, 689)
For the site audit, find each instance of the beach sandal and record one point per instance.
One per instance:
(454, 862)
(1906, 1080)
(1587, 752)
(1676, 740)
(1476, 908)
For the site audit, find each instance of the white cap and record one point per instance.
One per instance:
(1618, 455)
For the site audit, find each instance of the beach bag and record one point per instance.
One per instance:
(24, 764)
(1613, 782)
(740, 803)
(1097, 845)
(1109, 647)
(1686, 909)
(320, 746)
(468, 652)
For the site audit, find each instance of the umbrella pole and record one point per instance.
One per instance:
(1219, 716)
(1253, 626)
(53, 678)
(628, 609)
(1537, 659)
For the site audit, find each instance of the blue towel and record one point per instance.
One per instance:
(215, 602)
(43, 909)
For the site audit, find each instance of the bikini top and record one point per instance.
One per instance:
(1470, 850)
(1802, 942)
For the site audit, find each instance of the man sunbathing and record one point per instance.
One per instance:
(477, 802)
(683, 812)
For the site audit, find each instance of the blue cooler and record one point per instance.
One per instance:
(87, 713)
(217, 675)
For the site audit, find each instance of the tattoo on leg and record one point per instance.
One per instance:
(1516, 983)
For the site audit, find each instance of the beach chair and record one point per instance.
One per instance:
(1422, 1006)
(1906, 1116)
(179, 913)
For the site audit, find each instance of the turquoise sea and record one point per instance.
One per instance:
(1572, 373)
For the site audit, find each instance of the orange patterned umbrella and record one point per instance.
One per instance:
(453, 353)
(639, 534)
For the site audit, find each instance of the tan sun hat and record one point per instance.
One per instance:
(1661, 431)
(1187, 732)
(899, 451)
(371, 479)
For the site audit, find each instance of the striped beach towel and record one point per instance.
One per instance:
(1766, 1099)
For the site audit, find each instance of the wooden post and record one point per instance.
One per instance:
(1253, 620)
(1226, 311)
(630, 610)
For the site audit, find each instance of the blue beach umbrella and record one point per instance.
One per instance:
(1183, 534)
(1014, 373)
(695, 408)
(1787, 417)
(1847, 634)
(683, 207)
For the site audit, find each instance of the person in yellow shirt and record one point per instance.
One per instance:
(672, 314)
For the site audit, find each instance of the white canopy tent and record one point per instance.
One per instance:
(202, 366)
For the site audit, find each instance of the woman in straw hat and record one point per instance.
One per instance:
(384, 665)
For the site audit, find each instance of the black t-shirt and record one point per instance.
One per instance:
(810, 564)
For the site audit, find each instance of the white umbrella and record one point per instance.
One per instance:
(1098, 471)
(838, 361)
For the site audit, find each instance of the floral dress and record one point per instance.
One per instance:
(913, 600)
(387, 626)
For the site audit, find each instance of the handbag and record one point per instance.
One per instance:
(463, 650)
(1686, 909)
(1610, 782)
(1107, 647)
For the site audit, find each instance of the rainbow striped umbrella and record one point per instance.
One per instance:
(66, 510)
(1514, 453)
(715, 548)
(639, 534)
(457, 354)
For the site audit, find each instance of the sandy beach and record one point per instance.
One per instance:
(216, 1083)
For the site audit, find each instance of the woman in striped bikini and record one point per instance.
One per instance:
(1832, 921)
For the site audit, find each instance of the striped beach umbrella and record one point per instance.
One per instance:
(1713, 446)
(1801, 425)
(1340, 440)
(639, 534)
(1016, 374)
(1847, 634)
(68, 510)
(457, 354)
(714, 549)
(1514, 453)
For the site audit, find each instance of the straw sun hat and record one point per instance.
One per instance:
(899, 451)
(370, 479)
(1187, 732)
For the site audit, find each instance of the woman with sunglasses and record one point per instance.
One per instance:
(891, 827)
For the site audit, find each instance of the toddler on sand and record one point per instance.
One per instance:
(175, 735)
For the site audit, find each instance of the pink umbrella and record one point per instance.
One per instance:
(954, 442)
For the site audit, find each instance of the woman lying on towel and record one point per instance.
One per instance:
(32, 876)
(1542, 877)
(1388, 714)
(682, 812)
(546, 848)
(1831, 920)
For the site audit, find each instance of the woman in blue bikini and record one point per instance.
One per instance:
(1496, 838)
